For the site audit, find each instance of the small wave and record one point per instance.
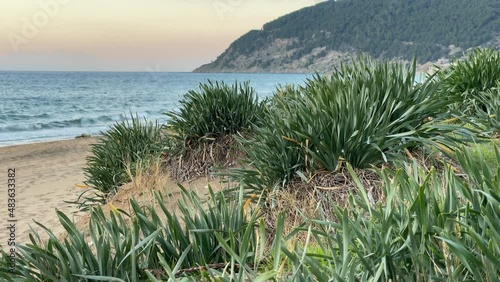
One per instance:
(15, 116)
(77, 122)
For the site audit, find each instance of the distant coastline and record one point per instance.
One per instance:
(421, 68)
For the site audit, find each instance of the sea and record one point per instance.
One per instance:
(47, 106)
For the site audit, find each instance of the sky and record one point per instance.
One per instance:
(127, 35)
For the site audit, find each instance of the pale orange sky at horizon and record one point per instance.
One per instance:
(127, 35)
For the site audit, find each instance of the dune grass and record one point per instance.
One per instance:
(205, 124)
(363, 114)
(466, 79)
(215, 110)
(125, 143)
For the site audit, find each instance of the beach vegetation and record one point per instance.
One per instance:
(214, 110)
(121, 146)
(364, 114)
(148, 241)
(489, 111)
(205, 124)
(470, 79)
(429, 225)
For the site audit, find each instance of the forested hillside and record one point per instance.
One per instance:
(393, 29)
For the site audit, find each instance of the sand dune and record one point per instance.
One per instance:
(46, 174)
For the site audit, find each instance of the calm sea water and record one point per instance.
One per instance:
(42, 106)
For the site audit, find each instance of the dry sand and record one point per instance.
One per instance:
(46, 174)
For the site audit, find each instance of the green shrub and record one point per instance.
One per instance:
(215, 110)
(363, 114)
(479, 72)
(123, 144)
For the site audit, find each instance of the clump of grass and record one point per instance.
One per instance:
(479, 72)
(148, 175)
(145, 178)
(490, 110)
(125, 143)
(486, 151)
(205, 125)
(203, 235)
(364, 114)
(216, 110)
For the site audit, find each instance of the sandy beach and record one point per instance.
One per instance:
(45, 177)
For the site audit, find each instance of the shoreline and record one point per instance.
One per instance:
(46, 175)
(41, 141)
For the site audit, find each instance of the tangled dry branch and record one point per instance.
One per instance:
(199, 158)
